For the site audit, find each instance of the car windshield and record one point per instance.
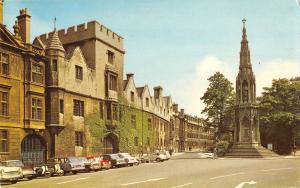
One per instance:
(114, 156)
(125, 154)
(13, 164)
(73, 159)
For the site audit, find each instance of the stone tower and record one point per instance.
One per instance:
(246, 133)
(247, 125)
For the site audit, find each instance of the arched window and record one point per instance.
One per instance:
(245, 91)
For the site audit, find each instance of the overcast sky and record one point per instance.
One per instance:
(178, 44)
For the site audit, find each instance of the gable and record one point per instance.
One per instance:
(7, 37)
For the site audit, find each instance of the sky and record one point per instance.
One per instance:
(179, 44)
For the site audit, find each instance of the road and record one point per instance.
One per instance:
(187, 171)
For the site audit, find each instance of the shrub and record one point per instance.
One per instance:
(222, 147)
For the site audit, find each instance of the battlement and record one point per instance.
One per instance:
(92, 29)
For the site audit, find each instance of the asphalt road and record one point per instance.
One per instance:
(186, 170)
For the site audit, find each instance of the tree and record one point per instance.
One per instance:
(280, 114)
(219, 99)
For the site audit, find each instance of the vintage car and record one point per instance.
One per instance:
(105, 162)
(27, 171)
(71, 164)
(95, 163)
(129, 159)
(115, 160)
(10, 174)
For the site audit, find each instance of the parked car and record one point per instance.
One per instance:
(71, 164)
(27, 171)
(151, 157)
(10, 174)
(42, 170)
(115, 160)
(105, 162)
(95, 163)
(166, 153)
(144, 158)
(129, 159)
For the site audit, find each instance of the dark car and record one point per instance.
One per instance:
(71, 164)
(115, 160)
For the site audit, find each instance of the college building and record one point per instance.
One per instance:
(64, 95)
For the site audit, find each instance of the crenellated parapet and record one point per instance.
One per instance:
(87, 31)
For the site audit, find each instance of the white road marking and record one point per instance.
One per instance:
(71, 180)
(275, 169)
(244, 183)
(217, 177)
(137, 182)
(182, 185)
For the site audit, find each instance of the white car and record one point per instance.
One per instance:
(10, 174)
(167, 154)
(129, 159)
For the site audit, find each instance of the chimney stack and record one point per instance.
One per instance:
(1, 11)
(175, 108)
(129, 75)
(24, 23)
(158, 91)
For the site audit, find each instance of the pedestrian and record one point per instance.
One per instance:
(215, 153)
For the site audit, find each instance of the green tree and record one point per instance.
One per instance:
(219, 100)
(280, 114)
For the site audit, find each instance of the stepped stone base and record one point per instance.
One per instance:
(249, 150)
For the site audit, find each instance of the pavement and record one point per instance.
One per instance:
(187, 170)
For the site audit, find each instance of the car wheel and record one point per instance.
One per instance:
(14, 181)
(74, 172)
(48, 175)
(61, 173)
(158, 160)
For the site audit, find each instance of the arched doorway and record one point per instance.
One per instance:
(33, 150)
(110, 143)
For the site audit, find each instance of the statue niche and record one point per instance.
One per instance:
(246, 129)
(245, 91)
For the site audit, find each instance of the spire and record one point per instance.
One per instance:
(245, 61)
(54, 42)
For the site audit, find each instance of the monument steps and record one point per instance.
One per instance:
(248, 151)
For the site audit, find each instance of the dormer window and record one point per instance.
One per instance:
(110, 57)
(132, 96)
(78, 72)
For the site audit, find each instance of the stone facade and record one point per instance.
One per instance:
(22, 90)
(190, 133)
(64, 95)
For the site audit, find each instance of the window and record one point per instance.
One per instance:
(4, 140)
(78, 109)
(136, 141)
(149, 124)
(133, 121)
(61, 106)
(101, 109)
(36, 108)
(112, 82)
(78, 138)
(132, 96)
(110, 57)
(4, 64)
(37, 73)
(115, 111)
(54, 65)
(4, 103)
(147, 102)
(78, 72)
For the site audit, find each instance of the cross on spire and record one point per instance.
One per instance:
(54, 22)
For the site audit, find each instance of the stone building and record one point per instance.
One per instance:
(22, 93)
(154, 113)
(84, 77)
(190, 132)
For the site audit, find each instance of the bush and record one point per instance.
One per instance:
(222, 147)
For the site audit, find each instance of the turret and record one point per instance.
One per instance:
(56, 54)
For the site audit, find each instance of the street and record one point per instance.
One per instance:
(186, 170)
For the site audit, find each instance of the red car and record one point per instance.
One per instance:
(105, 162)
